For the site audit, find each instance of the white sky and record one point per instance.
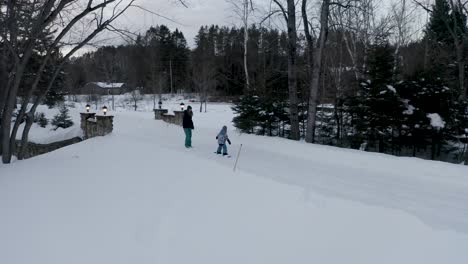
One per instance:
(187, 19)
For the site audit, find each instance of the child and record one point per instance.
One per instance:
(222, 137)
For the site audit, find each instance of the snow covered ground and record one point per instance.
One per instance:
(138, 196)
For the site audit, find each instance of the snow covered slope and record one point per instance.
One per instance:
(138, 196)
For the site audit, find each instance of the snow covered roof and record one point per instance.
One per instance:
(109, 85)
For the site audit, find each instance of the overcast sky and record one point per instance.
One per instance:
(188, 20)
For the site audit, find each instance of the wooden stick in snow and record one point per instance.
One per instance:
(237, 159)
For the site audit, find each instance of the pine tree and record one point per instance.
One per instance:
(62, 119)
(41, 119)
(247, 113)
(436, 29)
(377, 108)
(425, 95)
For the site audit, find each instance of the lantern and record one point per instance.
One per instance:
(104, 110)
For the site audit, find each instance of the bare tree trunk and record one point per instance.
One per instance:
(241, 8)
(400, 20)
(461, 69)
(24, 137)
(3, 93)
(352, 56)
(290, 17)
(466, 154)
(317, 68)
(246, 41)
(170, 76)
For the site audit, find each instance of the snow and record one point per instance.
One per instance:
(138, 196)
(436, 120)
(391, 88)
(326, 106)
(49, 134)
(409, 108)
(109, 85)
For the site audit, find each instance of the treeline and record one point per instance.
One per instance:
(160, 62)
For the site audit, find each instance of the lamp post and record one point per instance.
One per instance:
(88, 107)
(104, 110)
(182, 105)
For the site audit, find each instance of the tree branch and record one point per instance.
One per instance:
(283, 10)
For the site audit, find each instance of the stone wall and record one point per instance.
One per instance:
(96, 125)
(34, 149)
(176, 118)
(92, 125)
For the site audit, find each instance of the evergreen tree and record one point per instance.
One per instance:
(437, 29)
(62, 119)
(56, 94)
(377, 108)
(41, 119)
(425, 96)
(260, 116)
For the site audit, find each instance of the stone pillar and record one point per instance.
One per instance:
(84, 122)
(179, 117)
(105, 124)
(158, 113)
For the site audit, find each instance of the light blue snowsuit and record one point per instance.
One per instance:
(222, 137)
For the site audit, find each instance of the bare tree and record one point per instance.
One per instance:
(136, 97)
(315, 58)
(289, 16)
(205, 81)
(243, 10)
(62, 16)
(402, 17)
